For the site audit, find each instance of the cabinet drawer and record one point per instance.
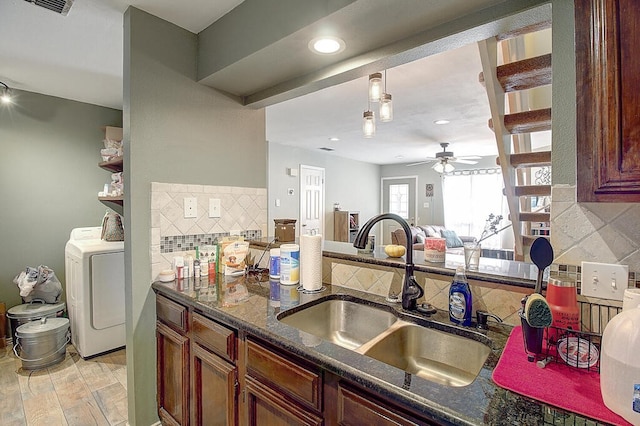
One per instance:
(215, 337)
(302, 383)
(172, 313)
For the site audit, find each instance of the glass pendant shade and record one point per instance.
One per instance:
(443, 167)
(5, 94)
(386, 108)
(375, 87)
(368, 124)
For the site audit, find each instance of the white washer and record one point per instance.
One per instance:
(94, 271)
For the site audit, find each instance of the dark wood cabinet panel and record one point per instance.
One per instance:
(215, 337)
(172, 313)
(267, 407)
(294, 378)
(355, 407)
(172, 375)
(214, 390)
(608, 100)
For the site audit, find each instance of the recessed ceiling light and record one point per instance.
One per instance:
(399, 157)
(441, 122)
(334, 139)
(327, 45)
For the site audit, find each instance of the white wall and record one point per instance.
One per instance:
(353, 184)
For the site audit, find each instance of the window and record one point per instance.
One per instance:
(399, 200)
(469, 197)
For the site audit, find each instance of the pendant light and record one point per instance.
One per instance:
(5, 94)
(368, 124)
(375, 87)
(443, 166)
(386, 105)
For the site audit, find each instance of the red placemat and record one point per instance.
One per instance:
(557, 384)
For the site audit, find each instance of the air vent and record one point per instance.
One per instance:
(324, 148)
(59, 6)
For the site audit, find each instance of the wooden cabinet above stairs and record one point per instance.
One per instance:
(526, 173)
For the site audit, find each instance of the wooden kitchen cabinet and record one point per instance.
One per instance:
(172, 369)
(281, 389)
(608, 100)
(214, 386)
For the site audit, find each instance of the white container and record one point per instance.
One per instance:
(620, 365)
(289, 264)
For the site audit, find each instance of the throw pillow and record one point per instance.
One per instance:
(452, 238)
(420, 238)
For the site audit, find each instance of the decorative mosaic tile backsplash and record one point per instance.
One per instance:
(241, 209)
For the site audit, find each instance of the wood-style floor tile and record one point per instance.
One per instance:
(44, 410)
(112, 400)
(74, 392)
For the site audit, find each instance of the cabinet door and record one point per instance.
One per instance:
(269, 408)
(214, 389)
(608, 100)
(172, 375)
(355, 408)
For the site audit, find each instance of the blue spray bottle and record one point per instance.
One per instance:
(460, 304)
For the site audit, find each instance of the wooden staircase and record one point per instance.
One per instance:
(513, 122)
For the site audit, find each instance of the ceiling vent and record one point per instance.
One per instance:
(59, 6)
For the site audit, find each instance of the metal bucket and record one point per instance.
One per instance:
(42, 343)
(35, 310)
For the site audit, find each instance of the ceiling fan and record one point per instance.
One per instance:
(444, 159)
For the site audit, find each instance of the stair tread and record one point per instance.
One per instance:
(535, 216)
(523, 190)
(524, 74)
(538, 26)
(527, 240)
(529, 159)
(527, 122)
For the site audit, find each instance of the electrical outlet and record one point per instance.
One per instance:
(190, 207)
(214, 207)
(604, 280)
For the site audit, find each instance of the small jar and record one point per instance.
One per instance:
(563, 301)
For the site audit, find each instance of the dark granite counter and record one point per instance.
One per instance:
(246, 303)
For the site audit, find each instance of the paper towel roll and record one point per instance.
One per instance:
(631, 299)
(311, 262)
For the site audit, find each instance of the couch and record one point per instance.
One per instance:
(420, 232)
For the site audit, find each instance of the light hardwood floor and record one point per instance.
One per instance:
(74, 392)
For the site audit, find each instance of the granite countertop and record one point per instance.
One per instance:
(510, 272)
(245, 303)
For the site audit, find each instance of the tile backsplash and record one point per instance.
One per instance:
(242, 209)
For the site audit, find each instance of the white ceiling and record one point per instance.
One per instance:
(79, 57)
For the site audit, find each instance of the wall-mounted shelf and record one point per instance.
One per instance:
(113, 165)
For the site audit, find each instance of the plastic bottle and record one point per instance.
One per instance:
(620, 365)
(196, 265)
(460, 303)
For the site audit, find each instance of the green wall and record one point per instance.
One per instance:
(177, 131)
(49, 154)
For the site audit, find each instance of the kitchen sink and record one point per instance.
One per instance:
(345, 323)
(432, 354)
(388, 336)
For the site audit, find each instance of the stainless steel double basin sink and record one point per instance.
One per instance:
(380, 332)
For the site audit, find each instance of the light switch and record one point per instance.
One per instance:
(604, 280)
(190, 207)
(277, 202)
(214, 207)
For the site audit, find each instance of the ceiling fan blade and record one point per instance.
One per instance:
(426, 160)
(461, 161)
(469, 157)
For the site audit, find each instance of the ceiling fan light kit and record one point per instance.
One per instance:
(444, 160)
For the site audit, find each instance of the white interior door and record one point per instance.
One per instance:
(399, 197)
(311, 200)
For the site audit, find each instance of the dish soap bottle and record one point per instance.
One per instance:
(460, 299)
